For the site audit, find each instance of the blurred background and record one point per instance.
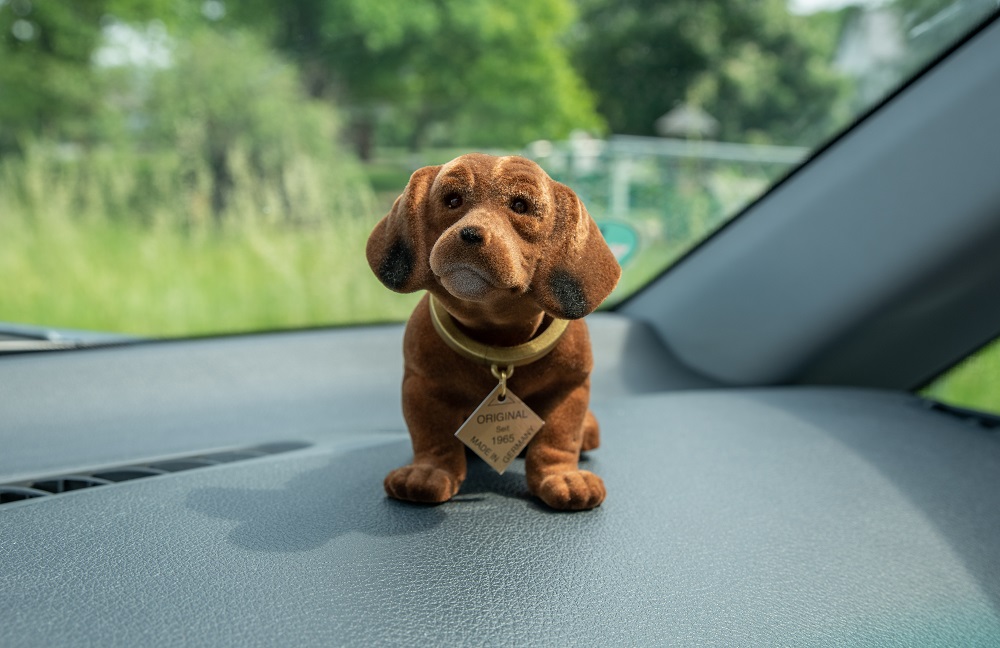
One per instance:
(191, 167)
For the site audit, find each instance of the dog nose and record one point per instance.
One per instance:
(471, 235)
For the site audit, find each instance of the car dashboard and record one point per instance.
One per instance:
(735, 516)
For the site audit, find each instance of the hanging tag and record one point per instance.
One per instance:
(500, 428)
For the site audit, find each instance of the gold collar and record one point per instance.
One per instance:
(514, 356)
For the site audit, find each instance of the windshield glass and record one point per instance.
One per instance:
(190, 167)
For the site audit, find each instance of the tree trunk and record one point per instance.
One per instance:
(363, 137)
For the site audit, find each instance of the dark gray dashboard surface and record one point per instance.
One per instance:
(796, 516)
(63, 410)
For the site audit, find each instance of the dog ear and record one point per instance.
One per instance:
(397, 248)
(577, 271)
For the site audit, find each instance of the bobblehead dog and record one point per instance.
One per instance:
(511, 262)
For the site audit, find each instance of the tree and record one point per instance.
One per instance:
(226, 96)
(47, 86)
(490, 73)
(759, 70)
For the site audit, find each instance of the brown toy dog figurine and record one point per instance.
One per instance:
(505, 253)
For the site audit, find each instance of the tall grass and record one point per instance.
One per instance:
(119, 241)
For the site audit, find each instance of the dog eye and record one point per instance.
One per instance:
(453, 201)
(519, 206)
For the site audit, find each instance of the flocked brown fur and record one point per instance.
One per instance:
(502, 275)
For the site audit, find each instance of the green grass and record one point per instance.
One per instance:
(974, 383)
(165, 282)
(88, 244)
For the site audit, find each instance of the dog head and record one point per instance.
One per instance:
(483, 228)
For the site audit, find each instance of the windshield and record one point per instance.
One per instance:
(189, 167)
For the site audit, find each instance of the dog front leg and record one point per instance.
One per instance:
(552, 462)
(438, 467)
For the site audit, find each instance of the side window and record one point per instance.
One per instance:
(974, 383)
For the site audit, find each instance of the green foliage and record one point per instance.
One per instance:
(225, 88)
(164, 282)
(213, 198)
(45, 48)
(974, 383)
(122, 185)
(482, 72)
(759, 70)
(81, 258)
(47, 83)
(226, 94)
(224, 135)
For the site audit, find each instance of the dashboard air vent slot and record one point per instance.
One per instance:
(54, 485)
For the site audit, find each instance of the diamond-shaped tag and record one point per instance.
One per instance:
(499, 429)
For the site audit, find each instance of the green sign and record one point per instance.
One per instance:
(622, 239)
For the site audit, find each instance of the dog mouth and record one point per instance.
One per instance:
(466, 281)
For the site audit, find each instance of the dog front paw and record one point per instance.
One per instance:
(421, 483)
(575, 490)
